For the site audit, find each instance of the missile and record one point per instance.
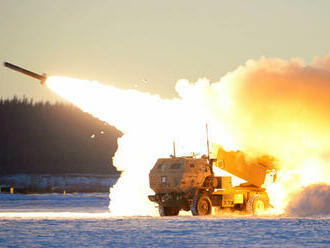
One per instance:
(42, 77)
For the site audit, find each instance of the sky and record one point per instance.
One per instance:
(150, 44)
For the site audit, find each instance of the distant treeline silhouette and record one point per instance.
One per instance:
(54, 139)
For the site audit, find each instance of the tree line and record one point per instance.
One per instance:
(54, 139)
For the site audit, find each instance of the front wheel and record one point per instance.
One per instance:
(168, 211)
(201, 205)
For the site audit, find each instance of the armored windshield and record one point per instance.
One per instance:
(169, 164)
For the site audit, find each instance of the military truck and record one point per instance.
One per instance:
(189, 183)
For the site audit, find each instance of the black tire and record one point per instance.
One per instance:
(257, 204)
(168, 211)
(201, 205)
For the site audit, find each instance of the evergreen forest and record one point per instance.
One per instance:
(54, 138)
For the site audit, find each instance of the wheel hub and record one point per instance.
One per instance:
(203, 207)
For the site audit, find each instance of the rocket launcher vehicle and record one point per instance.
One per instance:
(42, 77)
(190, 184)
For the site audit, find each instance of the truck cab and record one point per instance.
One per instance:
(178, 175)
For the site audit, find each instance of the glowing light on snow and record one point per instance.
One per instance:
(270, 106)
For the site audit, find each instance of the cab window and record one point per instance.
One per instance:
(161, 167)
(175, 166)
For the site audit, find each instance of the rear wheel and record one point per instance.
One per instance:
(201, 205)
(168, 211)
(257, 204)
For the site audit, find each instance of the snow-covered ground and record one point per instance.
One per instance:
(82, 220)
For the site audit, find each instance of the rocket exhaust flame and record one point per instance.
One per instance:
(268, 106)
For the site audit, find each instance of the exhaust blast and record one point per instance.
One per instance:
(267, 106)
(149, 123)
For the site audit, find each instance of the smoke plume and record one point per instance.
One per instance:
(274, 107)
(310, 201)
(264, 107)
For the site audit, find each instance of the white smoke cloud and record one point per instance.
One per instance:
(310, 201)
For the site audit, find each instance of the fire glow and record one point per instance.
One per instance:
(268, 106)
